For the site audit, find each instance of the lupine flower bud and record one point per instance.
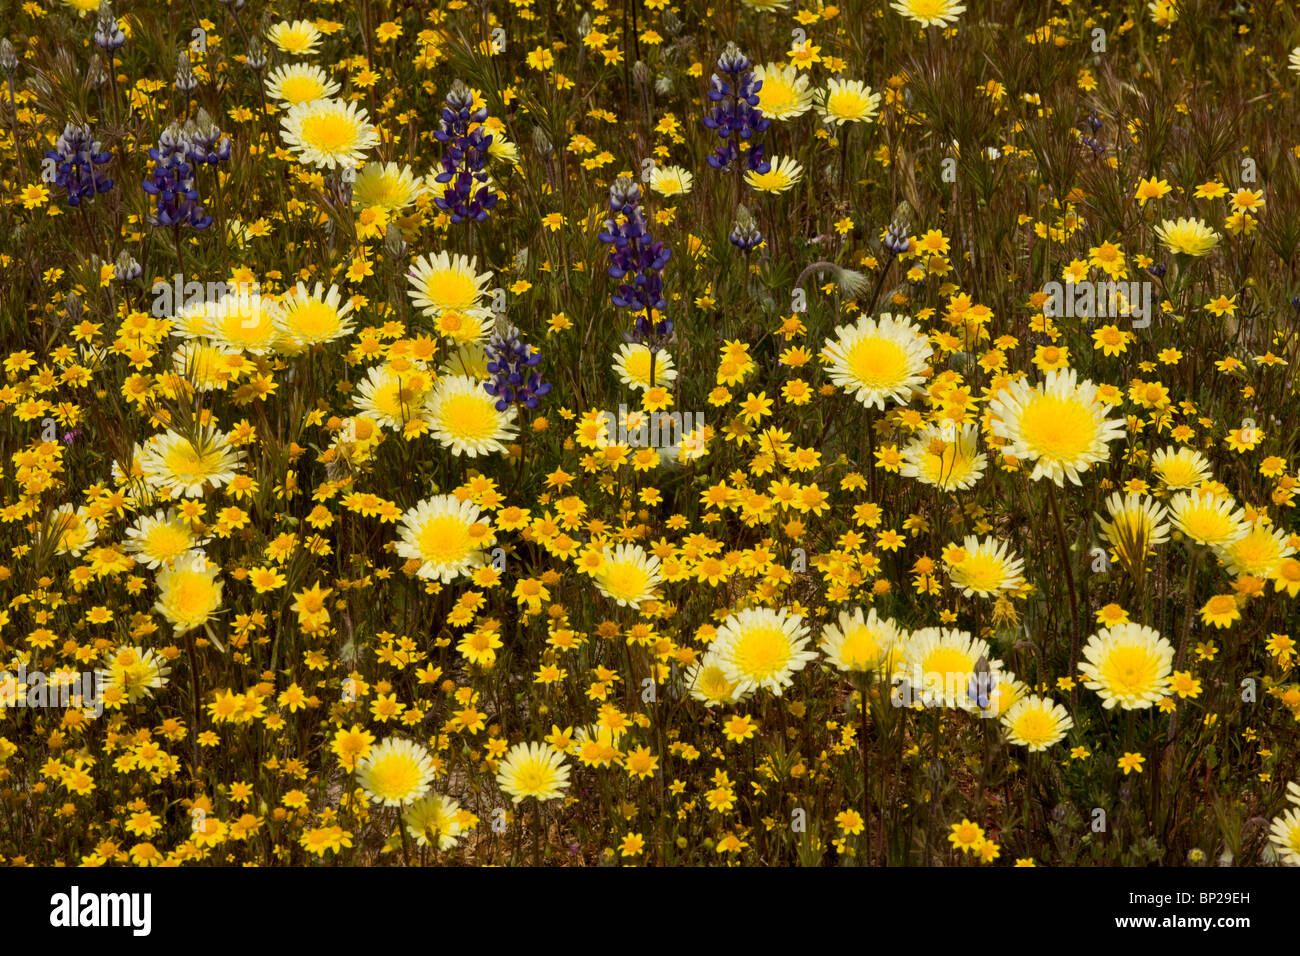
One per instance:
(126, 269)
(186, 81)
(256, 56)
(108, 32)
(745, 234)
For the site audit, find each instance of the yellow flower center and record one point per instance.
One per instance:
(762, 651)
(301, 89)
(1060, 429)
(1130, 670)
(877, 362)
(329, 132)
(315, 320)
(468, 416)
(451, 289)
(444, 539)
(394, 777)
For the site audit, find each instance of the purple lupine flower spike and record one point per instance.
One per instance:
(512, 366)
(172, 181)
(467, 195)
(636, 262)
(76, 156)
(735, 116)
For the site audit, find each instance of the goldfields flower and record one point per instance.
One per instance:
(463, 417)
(937, 664)
(1059, 425)
(1180, 468)
(1128, 665)
(436, 819)
(329, 133)
(189, 591)
(1189, 237)
(533, 770)
(298, 38)
(759, 648)
(966, 836)
(784, 94)
(299, 83)
(1259, 552)
(396, 772)
(632, 366)
(628, 575)
(670, 181)
(159, 538)
(929, 13)
(1221, 610)
(784, 174)
(449, 537)
(312, 318)
(858, 643)
(847, 101)
(1036, 722)
(322, 840)
(385, 185)
(184, 466)
(1285, 836)
(1137, 524)
(952, 463)
(984, 567)
(1207, 518)
(878, 360)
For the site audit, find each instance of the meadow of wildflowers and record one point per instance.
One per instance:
(761, 432)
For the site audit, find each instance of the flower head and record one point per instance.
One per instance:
(1128, 665)
(1060, 425)
(396, 772)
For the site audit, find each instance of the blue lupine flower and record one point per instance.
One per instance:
(735, 115)
(636, 261)
(172, 181)
(467, 195)
(511, 365)
(75, 156)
